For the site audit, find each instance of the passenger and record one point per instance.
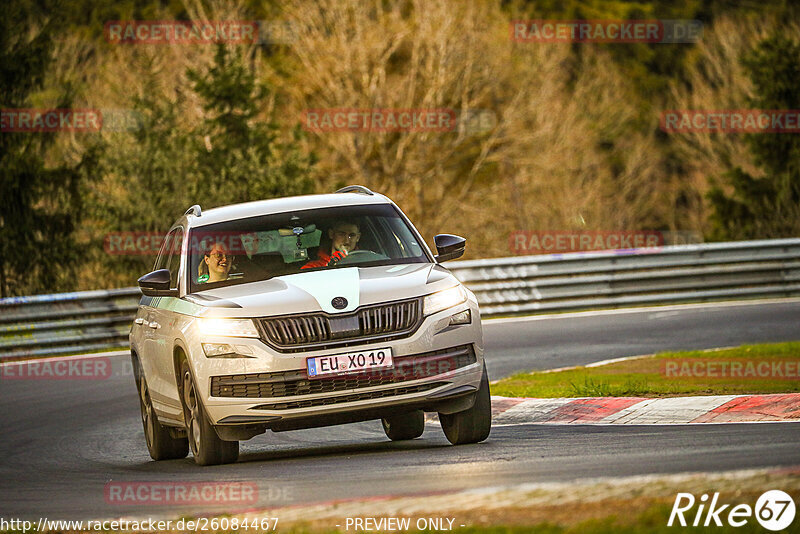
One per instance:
(215, 265)
(344, 236)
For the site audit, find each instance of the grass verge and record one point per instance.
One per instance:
(749, 369)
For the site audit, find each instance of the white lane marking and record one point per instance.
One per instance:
(609, 362)
(675, 410)
(110, 354)
(649, 309)
(601, 363)
(672, 410)
(532, 410)
(662, 315)
(594, 364)
(573, 367)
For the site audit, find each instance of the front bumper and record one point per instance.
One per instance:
(439, 366)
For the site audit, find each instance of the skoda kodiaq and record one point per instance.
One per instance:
(304, 312)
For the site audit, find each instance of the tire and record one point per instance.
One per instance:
(404, 426)
(160, 444)
(473, 425)
(206, 446)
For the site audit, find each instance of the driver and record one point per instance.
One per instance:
(215, 265)
(344, 236)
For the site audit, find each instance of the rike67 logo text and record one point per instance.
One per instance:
(774, 510)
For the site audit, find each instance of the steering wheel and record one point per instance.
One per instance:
(361, 256)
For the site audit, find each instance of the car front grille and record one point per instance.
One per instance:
(367, 395)
(293, 383)
(383, 321)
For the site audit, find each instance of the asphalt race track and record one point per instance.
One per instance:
(64, 440)
(578, 339)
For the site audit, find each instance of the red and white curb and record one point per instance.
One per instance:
(641, 411)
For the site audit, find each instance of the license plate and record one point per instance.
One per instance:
(349, 362)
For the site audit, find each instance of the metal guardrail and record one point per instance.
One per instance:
(621, 278)
(94, 320)
(62, 323)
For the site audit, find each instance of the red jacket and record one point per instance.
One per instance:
(324, 259)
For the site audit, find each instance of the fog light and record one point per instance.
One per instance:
(223, 350)
(464, 317)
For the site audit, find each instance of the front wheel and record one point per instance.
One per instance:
(473, 425)
(160, 444)
(206, 446)
(404, 426)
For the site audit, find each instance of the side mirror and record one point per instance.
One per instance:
(156, 284)
(449, 247)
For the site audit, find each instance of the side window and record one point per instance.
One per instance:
(174, 263)
(166, 250)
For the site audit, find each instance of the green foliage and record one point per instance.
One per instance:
(154, 164)
(766, 206)
(650, 66)
(40, 204)
(240, 158)
(165, 166)
(88, 17)
(145, 179)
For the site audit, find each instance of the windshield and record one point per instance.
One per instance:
(259, 248)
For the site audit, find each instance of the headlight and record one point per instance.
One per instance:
(442, 300)
(227, 327)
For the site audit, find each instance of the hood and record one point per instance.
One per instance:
(313, 291)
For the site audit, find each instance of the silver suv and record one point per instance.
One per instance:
(304, 312)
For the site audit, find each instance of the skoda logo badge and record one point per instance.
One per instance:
(339, 303)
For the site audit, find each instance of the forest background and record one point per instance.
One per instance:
(560, 137)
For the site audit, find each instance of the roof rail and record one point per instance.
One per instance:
(194, 210)
(355, 189)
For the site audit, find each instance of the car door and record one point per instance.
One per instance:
(161, 322)
(148, 353)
